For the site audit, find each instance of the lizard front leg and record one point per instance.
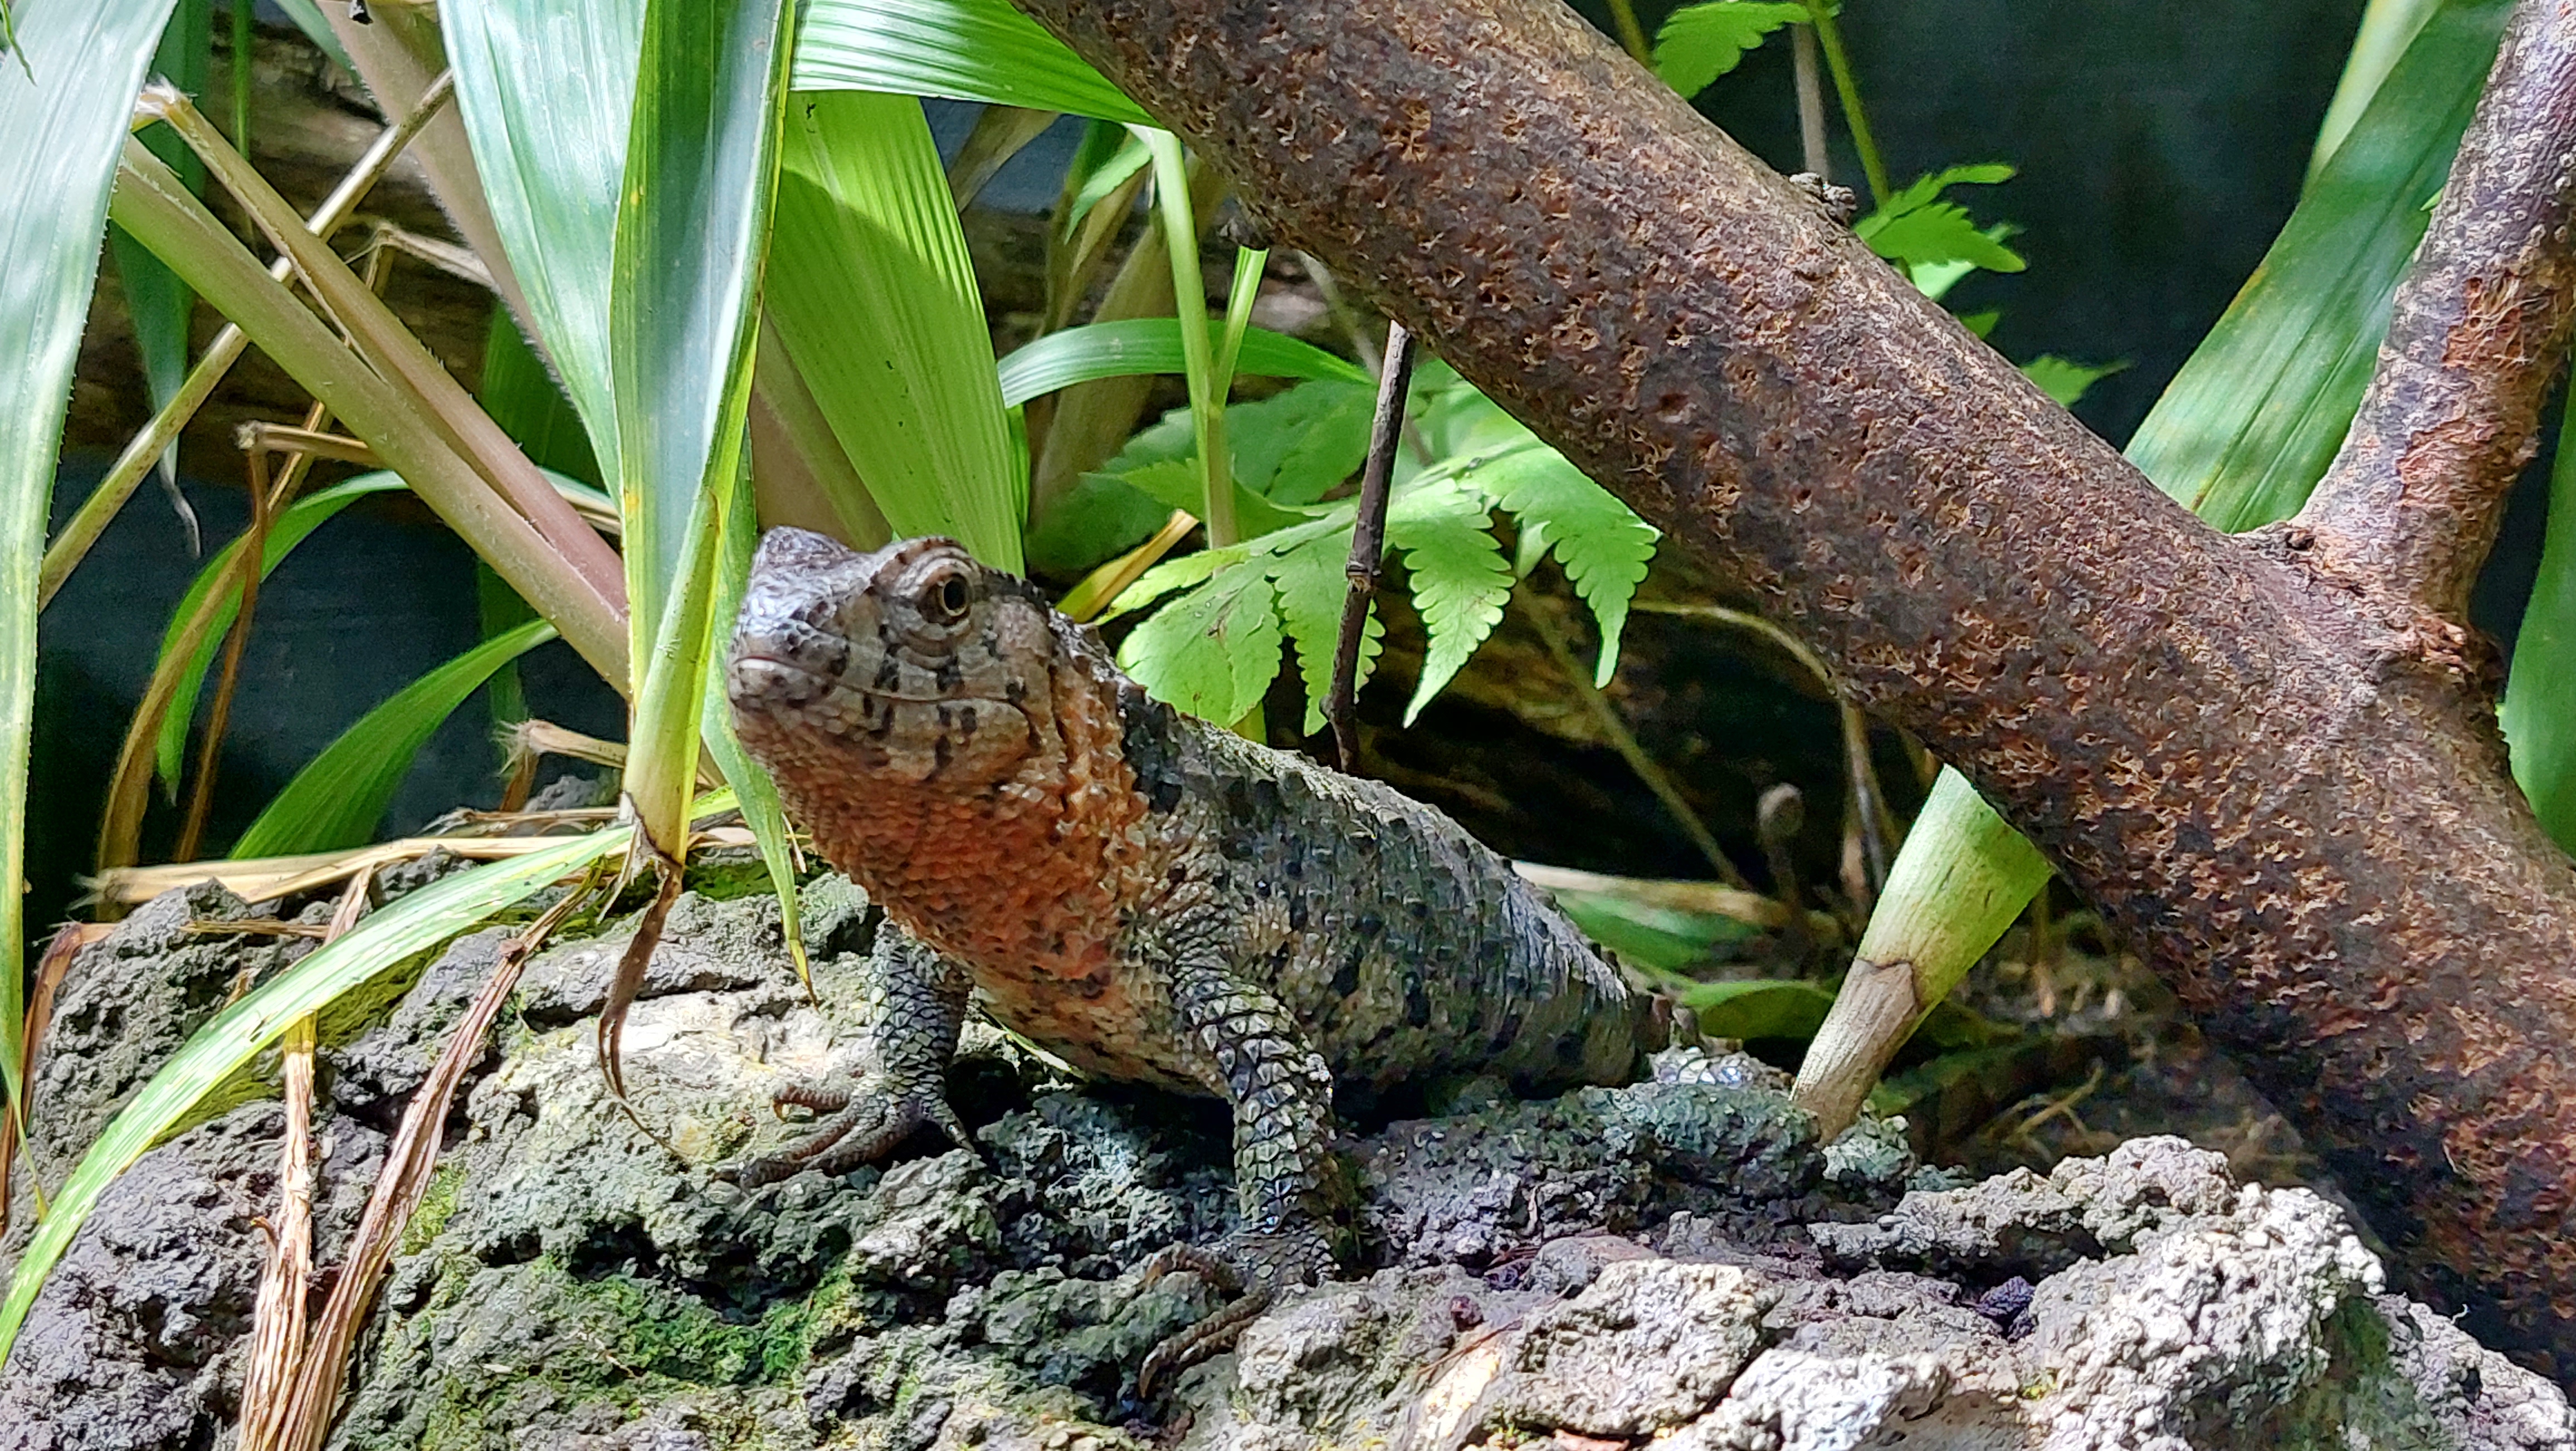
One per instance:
(1282, 1095)
(919, 1002)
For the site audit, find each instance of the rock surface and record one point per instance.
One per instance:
(1674, 1262)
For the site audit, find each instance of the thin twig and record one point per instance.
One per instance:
(1368, 544)
(1624, 741)
(1778, 818)
(1820, 14)
(1811, 103)
(1632, 36)
(57, 958)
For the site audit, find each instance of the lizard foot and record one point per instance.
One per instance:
(864, 1127)
(1256, 1267)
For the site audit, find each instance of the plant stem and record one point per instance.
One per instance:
(1632, 36)
(1872, 170)
(1811, 103)
(1248, 265)
(1368, 544)
(394, 353)
(1189, 304)
(244, 36)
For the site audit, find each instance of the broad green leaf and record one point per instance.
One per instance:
(2539, 710)
(1919, 229)
(871, 289)
(1927, 189)
(1699, 43)
(156, 301)
(1935, 279)
(692, 227)
(2066, 381)
(1189, 569)
(1294, 447)
(1180, 484)
(1288, 448)
(289, 529)
(1213, 653)
(1314, 585)
(972, 50)
(1148, 345)
(2249, 424)
(2387, 26)
(546, 91)
(338, 798)
(1098, 519)
(65, 99)
(228, 1042)
(1758, 1007)
(1460, 577)
(1174, 574)
(1652, 933)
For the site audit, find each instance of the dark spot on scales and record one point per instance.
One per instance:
(889, 674)
(1296, 914)
(1150, 733)
(940, 751)
(1346, 981)
(1417, 1002)
(948, 673)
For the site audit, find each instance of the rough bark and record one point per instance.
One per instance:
(2282, 781)
(2417, 491)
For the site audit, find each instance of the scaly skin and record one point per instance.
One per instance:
(1151, 897)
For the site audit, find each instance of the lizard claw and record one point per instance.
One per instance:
(863, 1127)
(1256, 1267)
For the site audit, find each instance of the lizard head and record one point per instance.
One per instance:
(913, 665)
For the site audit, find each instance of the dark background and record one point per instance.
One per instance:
(2159, 149)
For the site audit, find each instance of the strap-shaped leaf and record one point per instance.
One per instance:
(337, 799)
(971, 50)
(65, 98)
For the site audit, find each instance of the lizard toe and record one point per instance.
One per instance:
(868, 1125)
(1256, 1266)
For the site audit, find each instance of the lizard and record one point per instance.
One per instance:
(1151, 897)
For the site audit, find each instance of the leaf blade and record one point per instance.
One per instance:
(64, 106)
(971, 50)
(338, 798)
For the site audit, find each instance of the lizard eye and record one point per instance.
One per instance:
(943, 600)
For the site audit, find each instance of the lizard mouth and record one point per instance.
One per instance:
(759, 674)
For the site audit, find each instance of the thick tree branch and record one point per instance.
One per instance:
(2415, 497)
(2295, 812)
